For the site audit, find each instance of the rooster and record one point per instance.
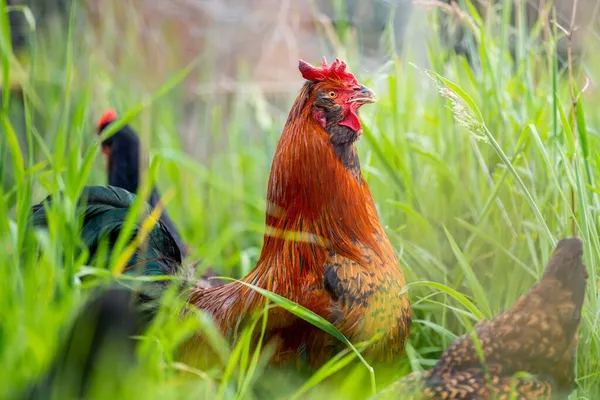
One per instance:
(324, 246)
(538, 335)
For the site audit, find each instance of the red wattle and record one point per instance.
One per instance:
(351, 121)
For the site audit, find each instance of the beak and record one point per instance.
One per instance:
(364, 96)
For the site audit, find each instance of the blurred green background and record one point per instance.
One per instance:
(473, 194)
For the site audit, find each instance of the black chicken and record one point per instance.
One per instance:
(123, 150)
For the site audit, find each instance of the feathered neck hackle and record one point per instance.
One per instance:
(312, 195)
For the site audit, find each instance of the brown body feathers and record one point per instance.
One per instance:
(538, 336)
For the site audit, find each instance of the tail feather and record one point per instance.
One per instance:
(102, 332)
(567, 267)
(104, 211)
(560, 292)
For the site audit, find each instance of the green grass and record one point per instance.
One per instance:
(473, 172)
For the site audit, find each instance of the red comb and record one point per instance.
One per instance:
(107, 117)
(336, 72)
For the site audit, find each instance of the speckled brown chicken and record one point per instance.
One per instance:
(538, 335)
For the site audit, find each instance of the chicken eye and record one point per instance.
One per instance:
(332, 94)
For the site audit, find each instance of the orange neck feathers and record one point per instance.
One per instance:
(312, 196)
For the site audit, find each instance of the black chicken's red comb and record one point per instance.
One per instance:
(335, 72)
(106, 118)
